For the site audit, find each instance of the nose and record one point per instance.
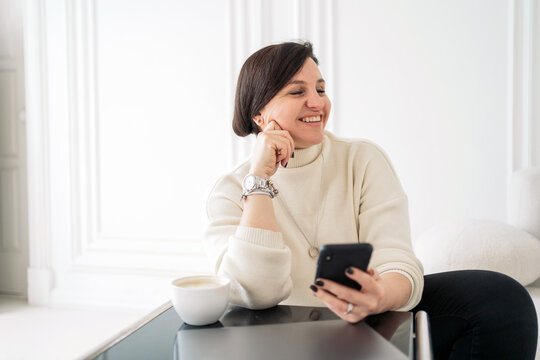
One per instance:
(314, 100)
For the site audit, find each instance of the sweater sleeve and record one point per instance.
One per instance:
(384, 222)
(255, 260)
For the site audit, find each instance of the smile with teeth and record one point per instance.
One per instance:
(311, 119)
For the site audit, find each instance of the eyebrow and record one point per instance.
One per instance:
(302, 82)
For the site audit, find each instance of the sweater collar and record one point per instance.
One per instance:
(303, 157)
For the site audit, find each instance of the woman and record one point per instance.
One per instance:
(303, 188)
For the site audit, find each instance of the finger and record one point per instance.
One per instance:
(287, 135)
(338, 306)
(281, 148)
(341, 291)
(272, 141)
(365, 303)
(374, 273)
(291, 143)
(284, 151)
(272, 125)
(367, 281)
(285, 160)
(285, 148)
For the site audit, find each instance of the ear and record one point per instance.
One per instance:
(258, 119)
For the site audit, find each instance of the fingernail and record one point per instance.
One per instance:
(319, 282)
(314, 288)
(287, 163)
(350, 270)
(292, 155)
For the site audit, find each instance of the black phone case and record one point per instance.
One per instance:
(334, 259)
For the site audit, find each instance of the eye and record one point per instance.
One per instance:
(321, 91)
(297, 92)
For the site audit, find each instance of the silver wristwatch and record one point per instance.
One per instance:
(257, 185)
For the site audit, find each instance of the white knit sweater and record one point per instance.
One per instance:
(339, 191)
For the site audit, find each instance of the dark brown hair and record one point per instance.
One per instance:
(262, 76)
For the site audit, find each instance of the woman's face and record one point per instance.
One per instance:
(301, 107)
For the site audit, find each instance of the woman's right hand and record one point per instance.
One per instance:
(273, 146)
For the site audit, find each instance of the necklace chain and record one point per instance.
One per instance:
(313, 250)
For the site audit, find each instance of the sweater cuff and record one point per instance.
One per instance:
(261, 237)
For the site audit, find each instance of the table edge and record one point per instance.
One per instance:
(127, 331)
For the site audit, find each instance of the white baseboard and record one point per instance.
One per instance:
(39, 285)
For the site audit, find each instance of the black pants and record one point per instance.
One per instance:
(478, 314)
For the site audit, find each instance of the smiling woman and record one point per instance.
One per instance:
(328, 191)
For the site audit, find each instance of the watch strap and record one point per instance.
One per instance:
(262, 186)
(257, 192)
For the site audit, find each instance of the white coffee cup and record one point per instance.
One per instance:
(200, 300)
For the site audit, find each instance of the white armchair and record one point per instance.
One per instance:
(512, 248)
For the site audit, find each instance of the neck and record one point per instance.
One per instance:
(305, 156)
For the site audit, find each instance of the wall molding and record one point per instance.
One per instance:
(92, 248)
(524, 84)
(9, 141)
(535, 88)
(523, 127)
(40, 274)
(10, 237)
(91, 253)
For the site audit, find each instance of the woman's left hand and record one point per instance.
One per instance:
(366, 301)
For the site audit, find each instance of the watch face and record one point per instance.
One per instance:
(249, 182)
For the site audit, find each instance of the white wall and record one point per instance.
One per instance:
(13, 220)
(427, 80)
(131, 102)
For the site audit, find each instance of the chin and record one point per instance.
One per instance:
(304, 143)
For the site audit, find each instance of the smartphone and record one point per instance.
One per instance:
(334, 259)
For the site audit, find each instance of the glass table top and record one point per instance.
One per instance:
(165, 336)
